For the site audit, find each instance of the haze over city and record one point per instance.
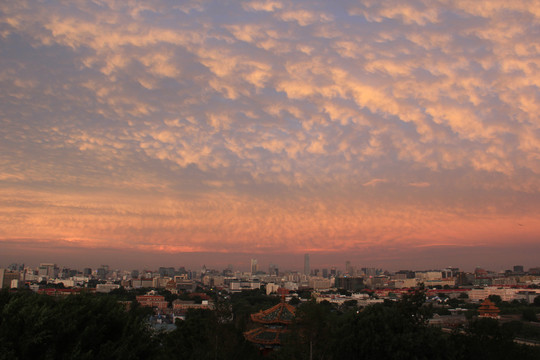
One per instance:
(396, 134)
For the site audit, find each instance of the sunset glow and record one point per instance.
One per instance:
(378, 132)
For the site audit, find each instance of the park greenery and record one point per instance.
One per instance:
(91, 326)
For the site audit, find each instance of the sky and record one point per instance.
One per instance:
(395, 134)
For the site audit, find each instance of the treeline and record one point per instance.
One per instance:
(396, 330)
(87, 326)
(82, 326)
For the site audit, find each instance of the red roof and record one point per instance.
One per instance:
(53, 291)
(271, 332)
(281, 313)
(488, 309)
(265, 336)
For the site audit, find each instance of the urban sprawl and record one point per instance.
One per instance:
(365, 285)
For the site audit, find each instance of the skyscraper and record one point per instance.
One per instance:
(307, 269)
(349, 269)
(254, 266)
(273, 270)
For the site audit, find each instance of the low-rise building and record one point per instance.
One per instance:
(319, 283)
(142, 283)
(271, 288)
(151, 300)
(405, 283)
(506, 293)
(106, 288)
(6, 276)
(350, 283)
(237, 286)
(190, 304)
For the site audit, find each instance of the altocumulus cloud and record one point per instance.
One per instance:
(265, 125)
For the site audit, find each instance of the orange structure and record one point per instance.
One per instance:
(156, 301)
(488, 309)
(272, 325)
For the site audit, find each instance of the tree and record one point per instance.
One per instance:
(528, 314)
(311, 333)
(294, 301)
(454, 303)
(79, 326)
(206, 335)
(122, 294)
(245, 303)
(496, 299)
(393, 330)
(486, 339)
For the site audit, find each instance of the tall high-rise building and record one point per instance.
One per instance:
(166, 271)
(307, 269)
(48, 270)
(369, 271)
(348, 268)
(324, 273)
(254, 266)
(273, 269)
(101, 273)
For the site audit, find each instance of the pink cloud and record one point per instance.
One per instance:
(375, 182)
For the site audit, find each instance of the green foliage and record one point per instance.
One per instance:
(393, 330)
(455, 302)
(78, 327)
(526, 331)
(98, 327)
(344, 292)
(442, 311)
(523, 330)
(496, 299)
(121, 294)
(294, 301)
(529, 314)
(387, 331)
(246, 303)
(206, 335)
(169, 297)
(470, 314)
(487, 339)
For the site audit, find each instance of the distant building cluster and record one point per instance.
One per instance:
(351, 286)
(510, 285)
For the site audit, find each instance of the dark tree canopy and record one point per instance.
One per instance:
(81, 326)
(88, 326)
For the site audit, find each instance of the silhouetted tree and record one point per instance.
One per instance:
(77, 327)
(528, 314)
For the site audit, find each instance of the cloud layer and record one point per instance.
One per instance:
(269, 126)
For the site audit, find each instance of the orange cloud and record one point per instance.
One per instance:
(286, 126)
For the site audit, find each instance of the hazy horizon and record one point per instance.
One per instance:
(467, 259)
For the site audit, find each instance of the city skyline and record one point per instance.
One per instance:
(263, 263)
(388, 134)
